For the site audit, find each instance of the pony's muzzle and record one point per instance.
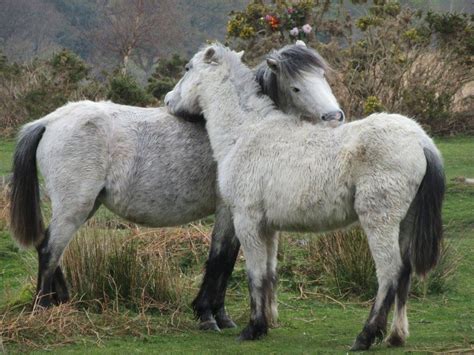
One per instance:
(167, 99)
(334, 116)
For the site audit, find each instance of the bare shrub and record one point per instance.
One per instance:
(30, 91)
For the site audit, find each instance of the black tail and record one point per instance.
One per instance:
(428, 225)
(26, 221)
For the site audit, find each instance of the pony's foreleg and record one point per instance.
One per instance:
(209, 303)
(253, 239)
(272, 276)
(383, 242)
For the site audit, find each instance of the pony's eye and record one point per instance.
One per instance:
(186, 67)
(295, 89)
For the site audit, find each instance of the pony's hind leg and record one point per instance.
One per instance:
(60, 291)
(51, 286)
(383, 242)
(399, 329)
(68, 216)
(59, 288)
(209, 303)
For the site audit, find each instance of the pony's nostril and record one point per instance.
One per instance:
(341, 116)
(333, 116)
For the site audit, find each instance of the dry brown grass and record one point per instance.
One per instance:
(47, 329)
(346, 269)
(4, 206)
(139, 269)
(345, 264)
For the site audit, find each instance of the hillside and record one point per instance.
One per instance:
(100, 30)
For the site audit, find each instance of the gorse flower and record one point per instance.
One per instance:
(273, 21)
(260, 20)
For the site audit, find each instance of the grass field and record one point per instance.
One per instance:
(309, 324)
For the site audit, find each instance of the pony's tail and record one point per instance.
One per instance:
(428, 226)
(26, 221)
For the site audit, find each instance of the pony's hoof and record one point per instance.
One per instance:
(395, 340)
(360, 345)
(43, 302)
(60, 298)
(209, 325)
(253, 332)
(225, 322)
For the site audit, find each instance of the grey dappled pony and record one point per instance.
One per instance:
(278, 173)
(147, 167)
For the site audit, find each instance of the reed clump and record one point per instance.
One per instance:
(343, 267)
(137, 269)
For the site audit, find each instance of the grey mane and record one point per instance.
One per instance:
(294, 61)
(247, 87)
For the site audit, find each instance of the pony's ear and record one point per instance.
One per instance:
(240, 54)
(210, 55)
(273, 64)
(300, 43)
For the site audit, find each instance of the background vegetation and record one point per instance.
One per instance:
(398, 56)
(394, 57)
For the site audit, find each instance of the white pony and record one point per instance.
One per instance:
(277, 173)
(148, 167)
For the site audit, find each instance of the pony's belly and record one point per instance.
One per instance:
(313, 222)
(168, 219)
(155, 210)
(162, 196)
(313, 214)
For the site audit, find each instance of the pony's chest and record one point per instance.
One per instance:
(294, 196)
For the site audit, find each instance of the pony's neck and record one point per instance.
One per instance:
(231, 106)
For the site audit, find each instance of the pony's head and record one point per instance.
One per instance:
(294, 78)
(183, 100)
